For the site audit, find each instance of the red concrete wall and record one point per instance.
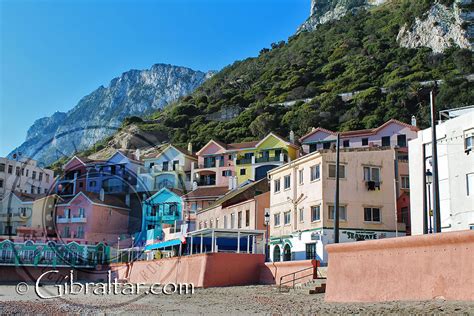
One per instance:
(406, 268)
(270, 272)
(204, 270)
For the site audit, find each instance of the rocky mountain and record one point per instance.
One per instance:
(442, 23)
(100, 114)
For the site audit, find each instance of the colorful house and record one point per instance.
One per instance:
(165, 207)
(229, 165)
(390, 134)
(74, 177)
(92, 218)
(171, 168)
(118, 174)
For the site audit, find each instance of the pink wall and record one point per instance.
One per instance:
(270, 272)
(204, 270)
(406, 268)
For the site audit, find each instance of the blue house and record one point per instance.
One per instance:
(118, 174)
(163, 207)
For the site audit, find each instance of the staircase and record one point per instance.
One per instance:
(316, 285)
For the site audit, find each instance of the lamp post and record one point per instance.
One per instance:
(267, 224)
(429, 180)
(118, 249)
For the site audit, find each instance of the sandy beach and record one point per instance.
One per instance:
(229, 300)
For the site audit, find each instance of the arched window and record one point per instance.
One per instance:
(287, 253)
(276, 254)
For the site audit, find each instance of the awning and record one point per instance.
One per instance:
(164, 244)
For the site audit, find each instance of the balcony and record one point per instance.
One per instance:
(62, 220)
(244, 161)
(159, 168)
(206, 181)
(78, 219)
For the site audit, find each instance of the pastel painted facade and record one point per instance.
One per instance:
(169, 169)
(390, 134)
(92, 218)
(165, 207)
(243, 209)
(199, 199)
(116, 175)
(302, 201)
(456, 173)
(25, 176)
(232, 164)
(74, 177)
(15, 212)
(42, 218)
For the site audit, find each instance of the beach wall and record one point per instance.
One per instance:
(399, 269)
(270, 272)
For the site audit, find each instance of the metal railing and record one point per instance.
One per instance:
(314, 274)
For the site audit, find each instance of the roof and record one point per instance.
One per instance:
(242, 145)
(361, 132)
(115, 200)
(206, 192)
(243, 193)
(178, 192)
(26, 197)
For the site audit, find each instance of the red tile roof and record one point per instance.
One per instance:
(204, 192)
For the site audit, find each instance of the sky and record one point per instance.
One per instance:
(54, 52)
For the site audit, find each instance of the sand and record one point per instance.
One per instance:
(230, 300)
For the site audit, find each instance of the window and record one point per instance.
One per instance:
(47, 178)
(10, 169)
(405, 182)
(470, 184)
(27, 172)
(345, 143)
(311, 251)
(326, 145)
(386, 141)
(276, 219)
(211, 223)
(80, 232)
(40, 176)
(32, 190)
(66, 231)
(92, 183)
(227, 173)
(66, 213)
(342, 212)
(81, 212)
(22, 171)
(372, 174)
(332, 171)
(287, 182)
(242, 172)
(372, 214)
(232, 220)
(301, 176)
(315, 213)
(165, 166)
(225, 221)
(276, 184)
(45, 191)
(217, 223)
(287, 217)
(239, 220)
(313, 147)
(194, 207)
(221, 161)
(1, 183)
(38, 190)
(33, 175)
(2, 167)
(302, 214)
(468, 141)
(17, 171)
(402, 140)
(247, 218)
(365, 141)
(315, 172)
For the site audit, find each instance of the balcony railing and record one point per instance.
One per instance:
(62, 220)
(203, 182)
(206, 165)
(78, 219)
(244, 161)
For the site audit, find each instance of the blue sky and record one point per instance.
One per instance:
(52, 53)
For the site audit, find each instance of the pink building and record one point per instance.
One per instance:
(93, 218)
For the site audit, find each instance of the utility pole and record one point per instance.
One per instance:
(336, 198)
(434, 147)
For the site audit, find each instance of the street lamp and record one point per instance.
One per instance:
(267, 224)
(429, 181)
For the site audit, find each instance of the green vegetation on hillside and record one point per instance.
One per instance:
(357, 53)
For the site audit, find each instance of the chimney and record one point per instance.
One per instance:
(102, 195)
(292, 137)
(137, 154)
(413, 120)
(127, 199)
(190, 147)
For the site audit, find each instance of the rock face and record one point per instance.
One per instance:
(99, 114)
(438, 29)
(323, 11)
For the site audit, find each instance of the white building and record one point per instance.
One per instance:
(25, 176)
(456, 172)
(15, 211)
